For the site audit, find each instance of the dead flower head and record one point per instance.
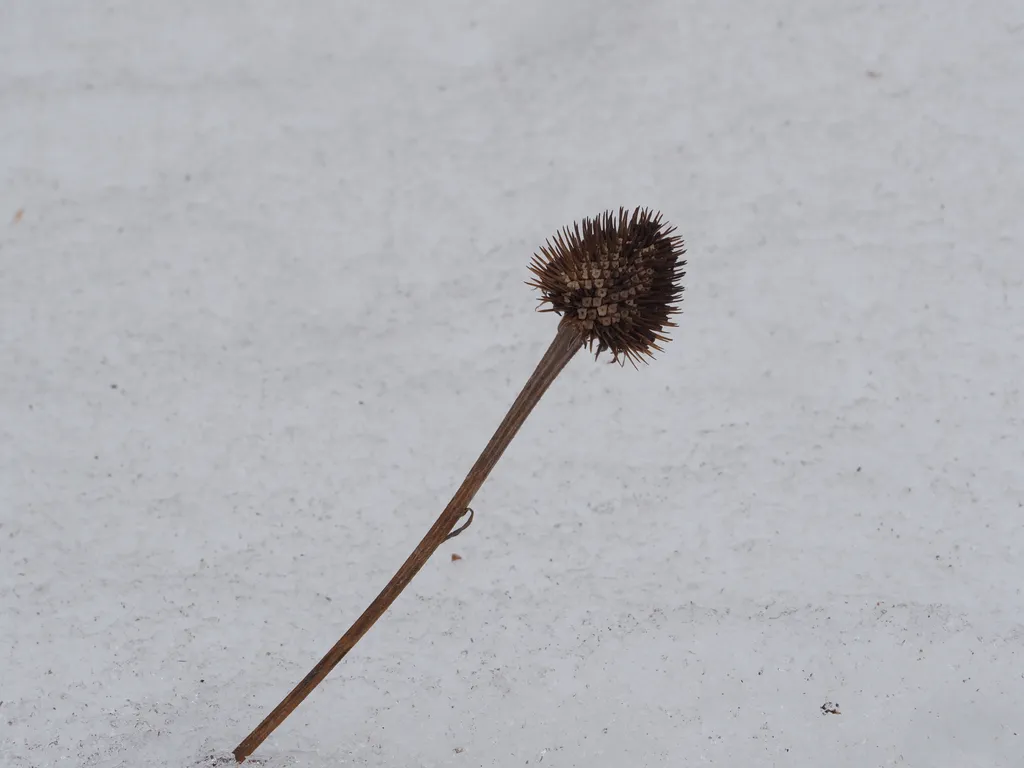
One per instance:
(616, 278)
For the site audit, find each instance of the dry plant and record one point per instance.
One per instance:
(616, 281)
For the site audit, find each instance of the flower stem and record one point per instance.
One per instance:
(565, 344)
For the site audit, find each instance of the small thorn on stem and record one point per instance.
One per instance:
(462, 527)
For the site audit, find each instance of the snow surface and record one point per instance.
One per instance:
(262, 303)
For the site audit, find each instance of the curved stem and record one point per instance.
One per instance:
(565, 344)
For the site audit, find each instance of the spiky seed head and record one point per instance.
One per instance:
(616, 278)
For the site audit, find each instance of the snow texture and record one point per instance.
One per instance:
(262, 303)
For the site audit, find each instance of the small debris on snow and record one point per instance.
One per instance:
(215, 761)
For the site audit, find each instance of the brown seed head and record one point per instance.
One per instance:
(616, 278)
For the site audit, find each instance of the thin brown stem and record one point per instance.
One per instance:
(566, 343)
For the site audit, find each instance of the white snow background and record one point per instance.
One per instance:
(262, 302)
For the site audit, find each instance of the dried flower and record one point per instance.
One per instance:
(616, 278)
(615, 281)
